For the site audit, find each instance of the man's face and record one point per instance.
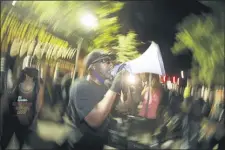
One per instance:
(104, 67)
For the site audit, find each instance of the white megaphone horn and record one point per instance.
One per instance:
(149, 62)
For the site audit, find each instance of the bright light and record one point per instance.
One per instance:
(169, 85)
(178, 81)
(131, 79)
(89, 20)
(182, 74)
(13, 3)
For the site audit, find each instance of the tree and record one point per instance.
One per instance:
(204, 36)
(64, 17)
(127, 47)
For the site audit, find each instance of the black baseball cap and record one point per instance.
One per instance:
(97, 55)
(30, 71)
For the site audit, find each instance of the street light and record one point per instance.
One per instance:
(89, 21)
(14, 3)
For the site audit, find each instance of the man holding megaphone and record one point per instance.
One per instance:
(91, 101)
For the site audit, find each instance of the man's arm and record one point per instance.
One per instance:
(87, 105)
(100, 112)
(90, 109)
(95, 114)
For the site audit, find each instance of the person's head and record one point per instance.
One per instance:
(30, 68)
(99, 64)
(29, 73)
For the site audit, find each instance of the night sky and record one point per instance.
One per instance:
(157, 20)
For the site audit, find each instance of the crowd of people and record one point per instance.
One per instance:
(81, 111)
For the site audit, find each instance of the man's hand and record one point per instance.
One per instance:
(108, 83)
(118, 81)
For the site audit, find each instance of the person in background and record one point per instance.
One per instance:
(24, 102)
(151, 101)
(187, 90)
(130, 97)
(217, 115)
(65, 87)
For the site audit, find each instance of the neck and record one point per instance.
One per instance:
(28, 80)
(93, 79)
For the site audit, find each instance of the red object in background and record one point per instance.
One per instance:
(163, 79)
(174, 79)
(152, 104)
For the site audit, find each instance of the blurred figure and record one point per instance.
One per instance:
(65, 87)
(9, 80)
(151, 100)
(187, 90)
(152, 104)
(130, 96)
(217, 115)
(23, 106)
(191, 124)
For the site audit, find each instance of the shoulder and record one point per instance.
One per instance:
(80, 87)
(80, 84)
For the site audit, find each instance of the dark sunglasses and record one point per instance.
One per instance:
(105, 61)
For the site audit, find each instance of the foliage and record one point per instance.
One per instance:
(126, 49)
(195, 80)
(64, 17)
(204, 36)
(25, 32)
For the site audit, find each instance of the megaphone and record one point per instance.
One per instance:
(149, 62)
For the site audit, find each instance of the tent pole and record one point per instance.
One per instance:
(149, 93)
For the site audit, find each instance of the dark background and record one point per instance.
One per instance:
(156, 20)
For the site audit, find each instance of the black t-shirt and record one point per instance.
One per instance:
(84, 96)
(24, 104)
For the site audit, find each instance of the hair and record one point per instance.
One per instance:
(21, 78)
(157, 83)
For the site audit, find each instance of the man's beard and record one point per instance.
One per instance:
(106, 75)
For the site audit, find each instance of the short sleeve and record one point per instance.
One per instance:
(82, 97)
